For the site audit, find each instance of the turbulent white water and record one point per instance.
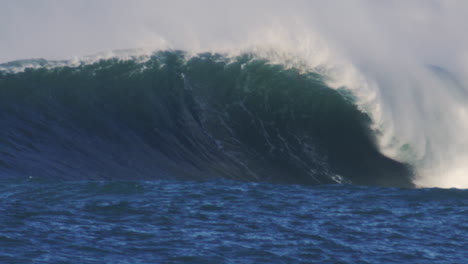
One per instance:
(406, 62)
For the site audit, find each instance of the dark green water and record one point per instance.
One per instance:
(173, 116)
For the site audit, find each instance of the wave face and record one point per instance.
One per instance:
(188, 117)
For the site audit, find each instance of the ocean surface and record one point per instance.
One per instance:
(172, 221)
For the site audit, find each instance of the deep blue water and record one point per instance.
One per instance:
(229, 222)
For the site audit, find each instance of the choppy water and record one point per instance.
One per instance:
(229, 222)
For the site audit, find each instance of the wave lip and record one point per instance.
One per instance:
(197, 117)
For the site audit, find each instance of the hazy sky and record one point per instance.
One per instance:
(63, 28)
(66, 28)
(368, 32)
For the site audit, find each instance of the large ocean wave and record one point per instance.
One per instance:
(175, 115)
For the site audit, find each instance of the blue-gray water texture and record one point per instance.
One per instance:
(229, 222)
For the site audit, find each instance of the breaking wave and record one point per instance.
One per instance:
(175, 115)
